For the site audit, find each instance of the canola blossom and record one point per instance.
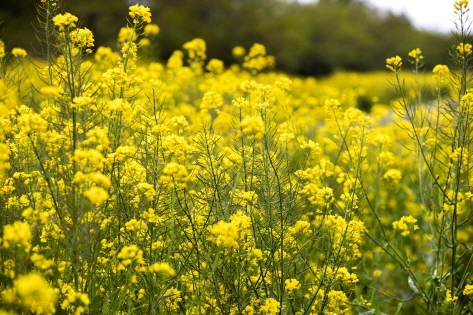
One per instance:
(130, 186)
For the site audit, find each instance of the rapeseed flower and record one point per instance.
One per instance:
(441, 70)
(32, 292)
(292, 284)
(461, 7)
(18, 52)
(18, 233)
(406, 224)
(162, 267)
(238, 51)
(468, 290)
(211, 100)
(82, 39)
(416, 54)
(393, 175)
(127, 34)
(73, 297)
(215, 66)
(151, 30)
(449, 298)
(140, 13)
(270, 307)
(225, 234)
(196, 49)
(2, 49)
(394, 63)
(464, 50)
(55, 91)
(96, 195)
(252, 127)
(175, 61)
(173, 298)
(66, 20)
(256, 60)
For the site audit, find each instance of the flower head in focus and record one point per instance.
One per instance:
(394, 63)
(416, 54)
(140, 13)
(461, 7)
(65, 20)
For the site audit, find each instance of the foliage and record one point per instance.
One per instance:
(307, 39)
(135, 187)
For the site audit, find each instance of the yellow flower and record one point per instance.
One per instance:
(65, 20)
(54, 91)
(8, 98)
(226, 234)
(449, 298)
(393, 175)
(256, 60)
(73, 297)
(270, 307)
(17, 233)
(238, 51)
(2, 49)
(215, 66)
(81, 101)
(174, 169)
(33, 292)
(96, 195)
(394, 63)
(252, 127)
(128, 254)
(196, 48)
(138, 12)
(162, 267)
(19, 52)
(406, 224)
(464, 49)
(292, 284)
(211, 100)
(151, 30)
(144, 42)
(83, 38)
(468, 290)
(441, 70)
(461, 7)
(173, 297)
(416, 54)
(100, 179)
(127, 34)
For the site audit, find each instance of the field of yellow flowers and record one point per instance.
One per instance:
(135, 187)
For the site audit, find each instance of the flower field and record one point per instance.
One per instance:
(187, 187)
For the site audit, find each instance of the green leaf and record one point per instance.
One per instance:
(422, 310)
(106, 308)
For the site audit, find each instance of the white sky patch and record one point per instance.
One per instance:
(431, 15)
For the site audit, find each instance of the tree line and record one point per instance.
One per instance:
(306, 39)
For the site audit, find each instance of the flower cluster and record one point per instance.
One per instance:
(140, 13)
(394, 63)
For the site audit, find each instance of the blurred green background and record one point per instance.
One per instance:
(306, 39)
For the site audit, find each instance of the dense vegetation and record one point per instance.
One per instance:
(187, 187)
(307, 39)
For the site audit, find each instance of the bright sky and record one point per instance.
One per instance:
(432, 15)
